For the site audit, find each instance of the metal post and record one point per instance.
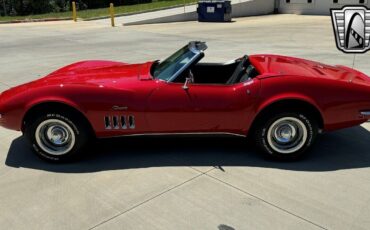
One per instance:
(276, 6)
(111, 11)
(74, 13)
(4, 7)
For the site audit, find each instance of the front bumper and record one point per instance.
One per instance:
(2, 119)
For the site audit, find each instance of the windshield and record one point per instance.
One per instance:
(173, 65)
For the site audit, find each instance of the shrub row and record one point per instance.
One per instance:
(27, 7)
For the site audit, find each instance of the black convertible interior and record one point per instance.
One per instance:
(234, 72)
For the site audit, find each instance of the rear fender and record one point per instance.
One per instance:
(287, 96)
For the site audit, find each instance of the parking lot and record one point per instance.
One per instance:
(180, 182)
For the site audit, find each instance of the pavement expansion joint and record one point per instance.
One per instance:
(266, 202)
(152, 198)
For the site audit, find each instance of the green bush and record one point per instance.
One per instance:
(93, 4)
(25, 7)
(29, 7)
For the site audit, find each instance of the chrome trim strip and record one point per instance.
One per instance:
(181, 134)
(365, 113)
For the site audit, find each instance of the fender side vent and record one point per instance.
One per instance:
(115, 122)
(123, 122)
(107, 122)
(131, 122)
(119, 122)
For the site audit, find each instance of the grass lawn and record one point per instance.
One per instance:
(86, 14)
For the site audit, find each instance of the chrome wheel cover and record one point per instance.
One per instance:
(55, 137)
(287, 135)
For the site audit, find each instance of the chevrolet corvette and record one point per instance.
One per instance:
(280, 103)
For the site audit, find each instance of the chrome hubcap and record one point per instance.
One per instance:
(55, 137)
(287, 135)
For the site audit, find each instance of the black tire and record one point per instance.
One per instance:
(285, 136)
(69, 124)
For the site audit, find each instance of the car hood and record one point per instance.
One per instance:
(98, 73)
(95, 74)
(276, 65)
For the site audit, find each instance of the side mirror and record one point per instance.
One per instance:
(187, 81)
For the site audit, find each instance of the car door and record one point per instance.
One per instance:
(201, 107)
(223, 108)
(170, 109)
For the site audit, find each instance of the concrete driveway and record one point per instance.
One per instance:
(180, 182)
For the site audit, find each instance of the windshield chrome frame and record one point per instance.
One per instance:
(195, 47)
(184, 67)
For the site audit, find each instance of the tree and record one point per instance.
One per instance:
(4, 8)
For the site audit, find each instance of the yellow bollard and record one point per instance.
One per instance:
(74, 13)
(111, 11)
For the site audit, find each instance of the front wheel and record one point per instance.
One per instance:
(286, 136)
(57, 137)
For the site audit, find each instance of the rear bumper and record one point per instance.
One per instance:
(365, 114)
(1, 111)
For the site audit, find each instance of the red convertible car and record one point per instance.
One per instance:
(280, 102)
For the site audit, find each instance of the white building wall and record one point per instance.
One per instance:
(243, 8)
(315, 7)
(240, 8)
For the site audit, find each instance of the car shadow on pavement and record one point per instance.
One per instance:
(345, 149)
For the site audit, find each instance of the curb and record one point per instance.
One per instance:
(134, 13)
(36, 20)
(91, 19)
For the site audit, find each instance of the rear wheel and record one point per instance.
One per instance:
(286, 136)
(57, 136)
